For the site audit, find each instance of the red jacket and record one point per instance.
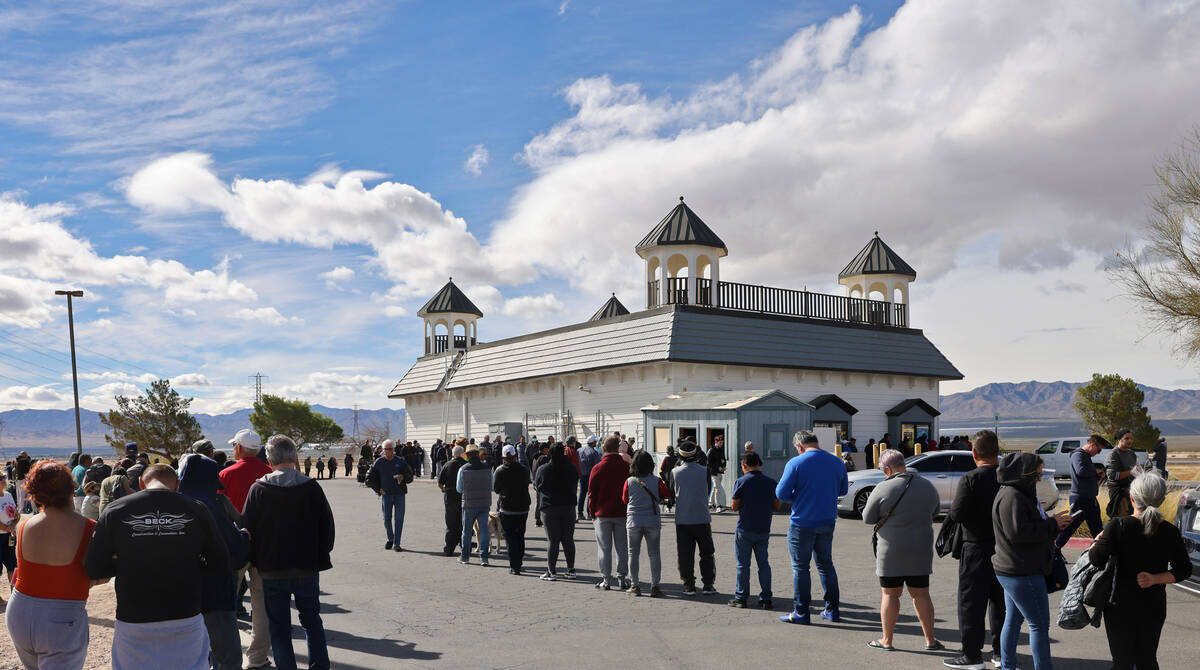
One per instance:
(239, 477)
(606, 486)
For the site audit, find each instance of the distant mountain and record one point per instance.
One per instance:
(23, 428)
(1053, 400)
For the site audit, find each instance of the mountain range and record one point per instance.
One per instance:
(52, 428)
(1053, 400)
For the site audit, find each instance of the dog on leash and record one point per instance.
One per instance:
(497, 535)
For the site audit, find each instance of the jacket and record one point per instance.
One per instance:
(511, 483)
(475, 484)
(1024, 536)
(448, 481)
(556, 484)
(198, 481)
(383, 474)
(605, 486)
(290, 524)
(1084, 481)
(972, 506)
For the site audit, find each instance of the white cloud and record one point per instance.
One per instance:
(477, 160)
(41, 255)
(339, 274)
(190, 379)
(532, 306)
(410, 231)
(562, 7)
(33, 397)
(394, 311)
(101, 397)
(265, 316)
(1028, 126)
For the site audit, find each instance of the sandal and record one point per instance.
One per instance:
(936, 646)
(876, 644)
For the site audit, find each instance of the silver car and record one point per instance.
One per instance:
(944, 469)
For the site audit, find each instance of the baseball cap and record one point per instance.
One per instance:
(472, 447)
(592, 439)
(247, 438)
(204, 446)
(131, 447)
(509, 450)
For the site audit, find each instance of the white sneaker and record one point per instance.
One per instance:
(549, 577)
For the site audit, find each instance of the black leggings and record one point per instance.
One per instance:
(1133, 630)
(560, 530)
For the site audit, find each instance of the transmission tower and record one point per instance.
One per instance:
(356, 423)
(258, 378)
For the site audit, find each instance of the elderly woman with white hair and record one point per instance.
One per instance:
(1150, 554)
(902, 509)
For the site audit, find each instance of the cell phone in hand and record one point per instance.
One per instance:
(1077, 512)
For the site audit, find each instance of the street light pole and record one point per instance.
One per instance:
(74, 373)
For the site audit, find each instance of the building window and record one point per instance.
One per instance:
(913, 431)
(688, 433)
(841, 427)
(775, 437)
(662, 438)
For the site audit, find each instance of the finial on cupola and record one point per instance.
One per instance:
(681, 198)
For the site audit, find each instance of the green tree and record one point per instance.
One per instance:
(159, 421)
(295, 418)
(1109, 403)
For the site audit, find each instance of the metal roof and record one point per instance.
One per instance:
(685, 334)
(877, 258)
(449, 299)
(822, 400)
(611, 308)
(709, 400)
(681, 226)
(911, 403)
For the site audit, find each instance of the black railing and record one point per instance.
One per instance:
(439, 343)
(783, 301)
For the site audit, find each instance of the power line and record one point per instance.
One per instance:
(258, 378)
(61, 338)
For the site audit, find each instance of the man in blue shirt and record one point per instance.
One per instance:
(392, 476)
(589, 457)
(812, 482)
(1085, 486)
(754, 500)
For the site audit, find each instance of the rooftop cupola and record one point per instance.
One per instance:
(681, 254)
(878, 273)
(450, 320)
(612, 308)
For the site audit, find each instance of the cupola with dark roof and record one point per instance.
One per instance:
(878, 269)
(449, 309)
(679, 251)
(612, 308)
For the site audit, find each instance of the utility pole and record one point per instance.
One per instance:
(356, 423)
(74, 372)
(258, 378)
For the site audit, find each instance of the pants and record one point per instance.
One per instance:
(610, 538)
(393, 516)
(979, 595)
(805, 544)
(260, 636)
(453, 524)
(471, 516)
(320, 473)
(1133, 634)
(716, 492)
(225, 644)
(745, 542)
(1118, 500)
(513, 526)
(307, 470)
(687, 538)
(1025, 599)
(652, 537)
(559, 521)
(583, 492)
(1091, 514)
(279, 593)
(8, 555)
(146, 645)
(50, 634)
(347, 469)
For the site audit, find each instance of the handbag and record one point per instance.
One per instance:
(949, 539)
(1057, 578)
(879, 524)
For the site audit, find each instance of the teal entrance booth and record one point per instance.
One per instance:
(768, 418)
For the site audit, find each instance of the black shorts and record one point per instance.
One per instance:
(913, 581)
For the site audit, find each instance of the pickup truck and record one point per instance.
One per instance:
(1056, 454)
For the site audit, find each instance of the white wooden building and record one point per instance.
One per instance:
(854, 358)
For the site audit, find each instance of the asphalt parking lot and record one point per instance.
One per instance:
(420, 609)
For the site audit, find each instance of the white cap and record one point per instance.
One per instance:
(592, 439)
(509, 450)
(247, 438)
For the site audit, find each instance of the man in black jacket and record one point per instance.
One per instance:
(979, 592)
(291, 537)
(447, 482)
(511, 481)
(159, 545)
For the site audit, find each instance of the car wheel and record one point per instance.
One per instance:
(860, 501)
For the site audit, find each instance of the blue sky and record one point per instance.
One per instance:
(278, 186)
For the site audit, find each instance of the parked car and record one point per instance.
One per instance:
(1187, 519)
(1056, 454)
(944, 469)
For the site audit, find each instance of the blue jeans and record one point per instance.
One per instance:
(1025, 599)
(805, 544)
(469, 516)
(393, 512)
(277, 594)
(744, 542)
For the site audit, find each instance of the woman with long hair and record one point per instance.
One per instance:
(555, 483)
(47, 618)
(642, 494)
(1150, 554)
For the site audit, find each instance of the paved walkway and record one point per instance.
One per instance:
(420, 609)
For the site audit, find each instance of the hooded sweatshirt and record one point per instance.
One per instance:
(290, 525)
(198, 481)
(1024, 535)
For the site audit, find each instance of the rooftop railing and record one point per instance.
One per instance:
(782, 301)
